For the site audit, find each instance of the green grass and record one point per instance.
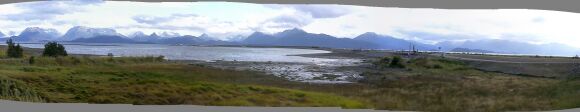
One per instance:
(146, 80)
(425, 84)
(449, 86)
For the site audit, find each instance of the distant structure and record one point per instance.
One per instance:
(412, 50)
(576, 57)
(409, 51)
(442, 53)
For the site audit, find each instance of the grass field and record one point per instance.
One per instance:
(144, 80)
(555, 67)
(447, 85)
(425, 84)
(535, 59)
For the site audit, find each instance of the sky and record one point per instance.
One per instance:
(227, 19)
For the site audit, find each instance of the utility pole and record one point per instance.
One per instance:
(409, 51)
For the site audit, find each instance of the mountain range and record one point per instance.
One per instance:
(36, 34)
(513, 47)
(389, 42)
(79, 32)
(291, 37)
(298, 37)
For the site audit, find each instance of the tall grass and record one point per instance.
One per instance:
(84, 60)
(148, 80)
(13, 90)
(443, 85)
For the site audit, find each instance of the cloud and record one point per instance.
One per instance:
(538, 20)
(329, 11)
(286, 21)
(317, 11)
(194, 22)
(44, 10)
(437, 37)
(189, 23)
(156, 19)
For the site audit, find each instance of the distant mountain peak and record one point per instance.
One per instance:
(206, 37)
(105, 39)
(291, 32)
(296, 30)
(154, 34)
(32, 29)
(39, 30)
(203, 35)
(137, 34)
(169, 34)
(258, 33)
(35, 34)
(370, 34)
(87, 32)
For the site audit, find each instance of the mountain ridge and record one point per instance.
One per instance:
(290, 37)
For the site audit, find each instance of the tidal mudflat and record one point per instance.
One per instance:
(296, 64)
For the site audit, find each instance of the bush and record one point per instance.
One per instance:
(397, 62)
(383, 62)
(14, 51)
(31, 60)
(54, 49)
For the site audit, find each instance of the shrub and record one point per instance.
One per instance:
(437, 66)
(397, 62)
(54, 49)
(14, 51)
(31, 60)
(383, 62)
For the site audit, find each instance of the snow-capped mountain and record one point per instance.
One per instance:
(87, 32)
(169, 34)
(36, 34)
(146, 38)
(137, 34)
(206, 37)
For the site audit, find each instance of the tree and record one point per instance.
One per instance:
(19, 51)
(54, 49)
(14, 50)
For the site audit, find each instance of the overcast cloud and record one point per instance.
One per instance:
(45, 10)
(226, 20)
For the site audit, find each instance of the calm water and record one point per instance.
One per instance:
(194, 52)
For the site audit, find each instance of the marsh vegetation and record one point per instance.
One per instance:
(425, 83)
